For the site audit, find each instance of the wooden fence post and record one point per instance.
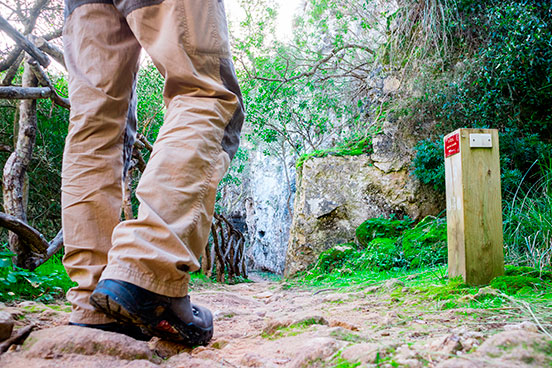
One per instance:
(474, 208)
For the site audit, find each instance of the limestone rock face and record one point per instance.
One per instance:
(268, 212)
(336, 194)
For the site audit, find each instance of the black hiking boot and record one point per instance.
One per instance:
(130, 330)
(174, 319)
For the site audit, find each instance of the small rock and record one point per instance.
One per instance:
(365, 353)
(446, 345)
(407, 357)
(391, 84)
(207, 354)
(6, 325)
(261, 313)
(332, 298)
(495, 345)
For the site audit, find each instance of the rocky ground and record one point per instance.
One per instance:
(266, 324)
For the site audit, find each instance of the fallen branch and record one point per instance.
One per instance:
(27, 234)
(25, 93)
(25, 44)
(18, 338)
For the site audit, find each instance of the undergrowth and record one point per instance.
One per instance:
(46, 284)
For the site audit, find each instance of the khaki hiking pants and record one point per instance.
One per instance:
(188, 42)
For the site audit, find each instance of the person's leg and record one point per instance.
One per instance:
(102, 55)
(188, 42)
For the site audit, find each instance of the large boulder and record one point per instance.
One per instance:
(336, 194)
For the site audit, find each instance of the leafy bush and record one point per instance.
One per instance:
(46, 283)
(499, 76)
(381, 228)
(429, 164)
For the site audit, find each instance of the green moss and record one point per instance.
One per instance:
(355, 148)
(381, 228)
(528, 271)
(294, 329)
(336, 257)
(514, 284)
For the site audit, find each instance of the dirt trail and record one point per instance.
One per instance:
(262, 324)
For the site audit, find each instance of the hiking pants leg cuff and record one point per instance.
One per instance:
(173, 289)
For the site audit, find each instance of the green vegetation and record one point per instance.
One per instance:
(495, 73)
(387, 244)
(46, 283)
(352, 148)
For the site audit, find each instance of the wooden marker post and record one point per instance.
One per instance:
(474, 208)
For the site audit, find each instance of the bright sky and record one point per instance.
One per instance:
(286, 10)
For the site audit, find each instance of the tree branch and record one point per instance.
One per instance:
(45, 81)
(50, 49)
(27, 45)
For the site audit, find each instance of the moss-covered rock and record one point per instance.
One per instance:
(336, 257)
(426, 243)
(381, 228)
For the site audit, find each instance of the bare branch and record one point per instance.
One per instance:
(314, 68)
(25, 93)
(50, 49)
(28, 46)
(28, 235)
(12, 70)
(141, 138)
(10, 59)
(45, 81)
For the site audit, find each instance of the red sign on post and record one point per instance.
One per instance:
(452, 145)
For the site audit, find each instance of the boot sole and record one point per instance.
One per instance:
(157, 320)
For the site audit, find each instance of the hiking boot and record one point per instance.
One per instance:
(174, 319)
(130, 330)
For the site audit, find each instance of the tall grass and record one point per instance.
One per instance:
(528, 223)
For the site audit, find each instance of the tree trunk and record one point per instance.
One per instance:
(16, 166)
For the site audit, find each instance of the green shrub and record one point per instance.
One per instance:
(46, 283)
(381, 228)
(429, 163)
(502, 78)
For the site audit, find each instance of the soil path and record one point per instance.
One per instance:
(263, 324)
